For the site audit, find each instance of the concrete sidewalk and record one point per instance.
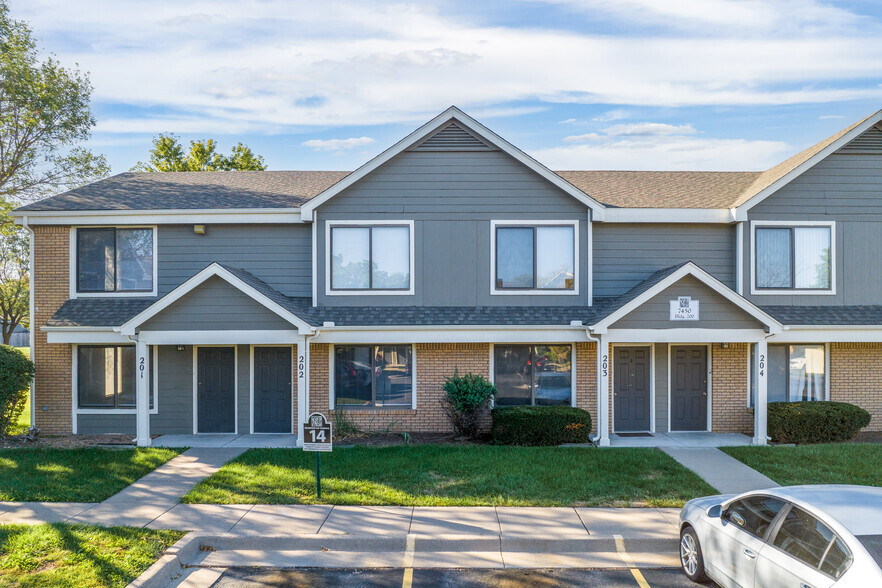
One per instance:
(720, 470)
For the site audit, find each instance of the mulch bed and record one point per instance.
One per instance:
(67, 441)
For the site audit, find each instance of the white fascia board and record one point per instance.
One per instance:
(83, 336)
(128, 328)
(702, 276)
(668, 215)
(452, 334)
(452, 113)
(827, 334)
(161, 217)
(741, 211)
(684, 335)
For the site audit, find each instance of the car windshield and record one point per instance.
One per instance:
(873, 543)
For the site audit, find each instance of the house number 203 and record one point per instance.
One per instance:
(604, 365)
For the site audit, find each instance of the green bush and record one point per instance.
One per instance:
(815, 422)
(16, 371)
(540, 425)
(466, 402)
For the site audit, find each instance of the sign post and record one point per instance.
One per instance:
(318, 437)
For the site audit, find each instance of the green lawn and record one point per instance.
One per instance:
(433, 475)
(74, 475)
(79, 556)
(833, 463)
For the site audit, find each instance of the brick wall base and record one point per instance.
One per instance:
(856, 377)
(729, 389)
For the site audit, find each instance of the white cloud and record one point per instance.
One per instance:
(568, 121)
(616, 114)
(338, 144)
(829, 116)
(648, 129)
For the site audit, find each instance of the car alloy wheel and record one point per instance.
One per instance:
(688, 554)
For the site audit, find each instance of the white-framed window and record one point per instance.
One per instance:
(104, 379)
(534, 257)
(373, 376)
(796, 372)
(370, 257)
(793, 257)
(113, 261)
(533, 375)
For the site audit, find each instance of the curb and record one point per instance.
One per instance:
(168, 567)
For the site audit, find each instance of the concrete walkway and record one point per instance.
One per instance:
(691, 439)
(720, 470)
(258, 441)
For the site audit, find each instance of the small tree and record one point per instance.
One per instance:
(167, 155)
(467, 402)
(16, 372)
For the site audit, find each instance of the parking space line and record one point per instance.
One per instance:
(410, 547)
(626, 557)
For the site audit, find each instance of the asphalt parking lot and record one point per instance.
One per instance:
(453, 578)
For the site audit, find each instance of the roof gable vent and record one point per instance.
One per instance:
(453, 138)
(868, 143)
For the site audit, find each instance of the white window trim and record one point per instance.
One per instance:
(793, 291)
(710, 384)
(612, 386)
(72, 259)
(332, 392)
(574, 384)
(235, 388)
(251, 388)
(367, 292)
(74, 385)
(826, 366)
(494, 291)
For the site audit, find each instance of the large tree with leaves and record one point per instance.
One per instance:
(167, 155)
(44, 119)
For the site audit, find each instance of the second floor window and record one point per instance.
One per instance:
(115, 260)
(535, 258)
(793, 258)
(373, 257)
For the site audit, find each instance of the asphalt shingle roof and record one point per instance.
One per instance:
(826, 315)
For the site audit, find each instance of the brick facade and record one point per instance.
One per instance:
(729, 389)
(435, 362)
(586, 380)
(856, 377)
(51, 286)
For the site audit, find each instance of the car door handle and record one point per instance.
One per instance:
(750, 553)
(804, 585)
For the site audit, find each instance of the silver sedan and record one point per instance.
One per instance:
(797, 536)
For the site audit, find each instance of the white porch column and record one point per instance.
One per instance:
(760, 404)
(301, 368)
(142, 395)
(603, 390)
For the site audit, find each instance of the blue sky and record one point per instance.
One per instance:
(578, 84)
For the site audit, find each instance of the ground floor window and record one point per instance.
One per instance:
(373, 375)
(795, 373)
(106, 377)
(533, 374)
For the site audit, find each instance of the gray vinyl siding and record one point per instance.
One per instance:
(661, 387)
(846, 189)
(280, 255)
(243, 388)
(714, 311)
(174, 370)
(626, 254)
(105, 424)
(452, 197)
(215, 305)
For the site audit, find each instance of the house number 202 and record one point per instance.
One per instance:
(301, 365)
(604, 365)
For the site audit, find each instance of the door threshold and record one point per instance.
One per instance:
(635, 434)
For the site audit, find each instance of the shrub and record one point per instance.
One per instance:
(467, 401)
(815, 422)
(16, 371)
(540, 425)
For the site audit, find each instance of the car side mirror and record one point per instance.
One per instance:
(715, 512)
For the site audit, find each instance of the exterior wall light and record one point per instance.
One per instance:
(199, 229)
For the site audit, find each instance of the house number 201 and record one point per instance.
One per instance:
(141, 366)
(604, 365)
(301, 365)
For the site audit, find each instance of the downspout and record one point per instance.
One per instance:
(31, 309)
(596, 437)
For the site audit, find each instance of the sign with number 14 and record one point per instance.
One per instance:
(317, 434)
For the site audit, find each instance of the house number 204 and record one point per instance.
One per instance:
(762, 364)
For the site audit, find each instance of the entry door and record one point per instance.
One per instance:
(689, 388)
(216, 390)
(272, 389)
(631, 388)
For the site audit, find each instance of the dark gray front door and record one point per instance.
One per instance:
(631, 388)
(272, 389)
(216, 390)
(689, 388)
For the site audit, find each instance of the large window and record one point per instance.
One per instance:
(106, 377)
(535, 257)
(373, 375)
(114, 260)
(533, 374)
(793, 258)
(795, 373)
(370, 257)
